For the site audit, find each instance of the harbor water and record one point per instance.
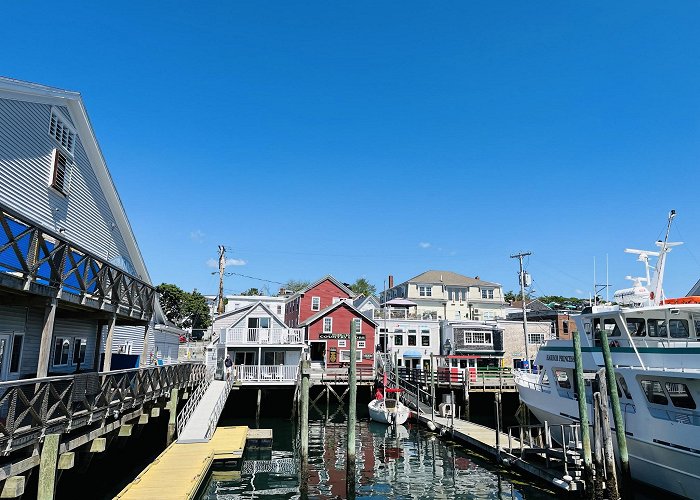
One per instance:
(410, 462)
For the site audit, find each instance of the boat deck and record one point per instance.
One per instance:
(178, 472)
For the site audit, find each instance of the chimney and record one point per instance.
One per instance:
(391, 281)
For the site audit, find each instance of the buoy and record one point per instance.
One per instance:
(431, 425)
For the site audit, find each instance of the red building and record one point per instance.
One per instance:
(328, 335)
(309, 301)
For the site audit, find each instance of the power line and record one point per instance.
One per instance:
(254, 278)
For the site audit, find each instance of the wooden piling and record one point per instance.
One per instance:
(352, 412)
(304, 426)
(599, 478)
(625, 479)
(583, 416)
(47, 467)
(257, 410)
(172, 417)
(432, 385)
(608, 453)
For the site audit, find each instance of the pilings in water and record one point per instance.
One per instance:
(172, 417)
(583, 415)
(625, 479)
(304, 426)
(352, 413)
(611, 482)
(47, 467)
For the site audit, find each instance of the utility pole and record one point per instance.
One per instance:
(520, 256)
(222, 267)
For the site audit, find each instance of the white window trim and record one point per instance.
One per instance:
(68, 175)
(361, 344)
(318, 305)
(342, 343)
(70, 351)
(358, 354)
(469, 338)
(330, 327)
(358, 324)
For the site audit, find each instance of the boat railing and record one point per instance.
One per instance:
(537, 386)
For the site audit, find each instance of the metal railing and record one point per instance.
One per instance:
(46, 260)
(266, 373)
(195, 397)
(338, 375)
(403, 314)
(265, 336)
(31, 408)
(484, 378)
(218, 408)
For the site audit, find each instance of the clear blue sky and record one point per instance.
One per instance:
(375, 138)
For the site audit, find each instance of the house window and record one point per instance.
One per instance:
(61, 346)
(315, 303)
(61, 132)
(79, 347)
(398, 339)
(487, 293)
(279, 309)
(327, 325)
(425, 291)
(565, 327)
(488, 315)
(60, 171)
(345, 356)
(361, 344)
(411, 340)
(358, 325)
(477, 337)
(273, 358)
(17, 342)
(425, 340)
(535, 338)
(342, 343)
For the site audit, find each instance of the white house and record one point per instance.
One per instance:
(70, 269)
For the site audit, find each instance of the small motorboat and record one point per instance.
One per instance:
(388, 410)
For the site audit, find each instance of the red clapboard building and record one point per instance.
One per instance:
(309, 301)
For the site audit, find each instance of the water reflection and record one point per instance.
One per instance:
(409, 463)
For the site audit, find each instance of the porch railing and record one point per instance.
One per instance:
(264, 336)
(31, 408)
(47, 263)
(266, 373)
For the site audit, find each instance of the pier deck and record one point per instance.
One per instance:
(178, 472)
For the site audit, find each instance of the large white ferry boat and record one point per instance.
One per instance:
(655, 347)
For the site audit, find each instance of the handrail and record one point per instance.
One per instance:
(218, 408)
(196, 396)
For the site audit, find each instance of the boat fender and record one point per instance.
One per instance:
(651, 295)
(431, 425)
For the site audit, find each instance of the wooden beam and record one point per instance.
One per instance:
(107, 366)
(66, 460)
(98, 445)
(13, 487)
(42, 369)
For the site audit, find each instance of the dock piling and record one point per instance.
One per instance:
(352, 411)
(598, 448)
(257, 410)
(47, 467)
(608, 453)
(583, 415)
(172, 416)
(304, 425)
(625, 479)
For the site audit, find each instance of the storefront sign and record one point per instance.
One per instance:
(339, 336)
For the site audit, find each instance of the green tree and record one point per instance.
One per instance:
(251, 291)
(182, 308)
(296, 285)
(363, 287)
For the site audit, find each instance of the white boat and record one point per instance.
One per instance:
(655, 347)
(388, 411)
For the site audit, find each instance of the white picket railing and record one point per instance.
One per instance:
(266, 373)
(265, 336)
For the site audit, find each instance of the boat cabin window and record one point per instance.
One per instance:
(654, 392)
(636, 326)
(544, 378)
(562, 379)
(680, 395)
(611, 328)
(677, 327)
(622, 389)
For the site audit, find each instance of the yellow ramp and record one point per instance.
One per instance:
(178, 472)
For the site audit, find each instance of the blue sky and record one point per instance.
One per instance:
(362, 139)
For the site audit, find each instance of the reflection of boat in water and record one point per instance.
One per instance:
(398, 432)
(388, 411)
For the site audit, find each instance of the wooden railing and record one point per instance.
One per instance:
(340, 375)
(31, 408)
(265, 336)
(46, 262)
(485, 378)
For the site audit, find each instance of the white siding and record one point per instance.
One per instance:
(25, 170)
(71, 328)
(13, 321)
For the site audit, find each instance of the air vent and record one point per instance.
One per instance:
(61, 131)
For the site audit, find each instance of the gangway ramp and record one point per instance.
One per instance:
(198, 419)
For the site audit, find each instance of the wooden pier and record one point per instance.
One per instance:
(179, 471)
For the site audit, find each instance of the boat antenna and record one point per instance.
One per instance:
(656, 285)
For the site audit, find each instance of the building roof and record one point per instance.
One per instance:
(28, 91)
(318, 282)
(532, 305)
(361, 300)
(400, 302)
(449, 278)
(325, 311)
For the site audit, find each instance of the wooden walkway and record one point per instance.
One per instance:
(205, 416)
(178, 472)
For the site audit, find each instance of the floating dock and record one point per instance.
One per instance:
(178, 472)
